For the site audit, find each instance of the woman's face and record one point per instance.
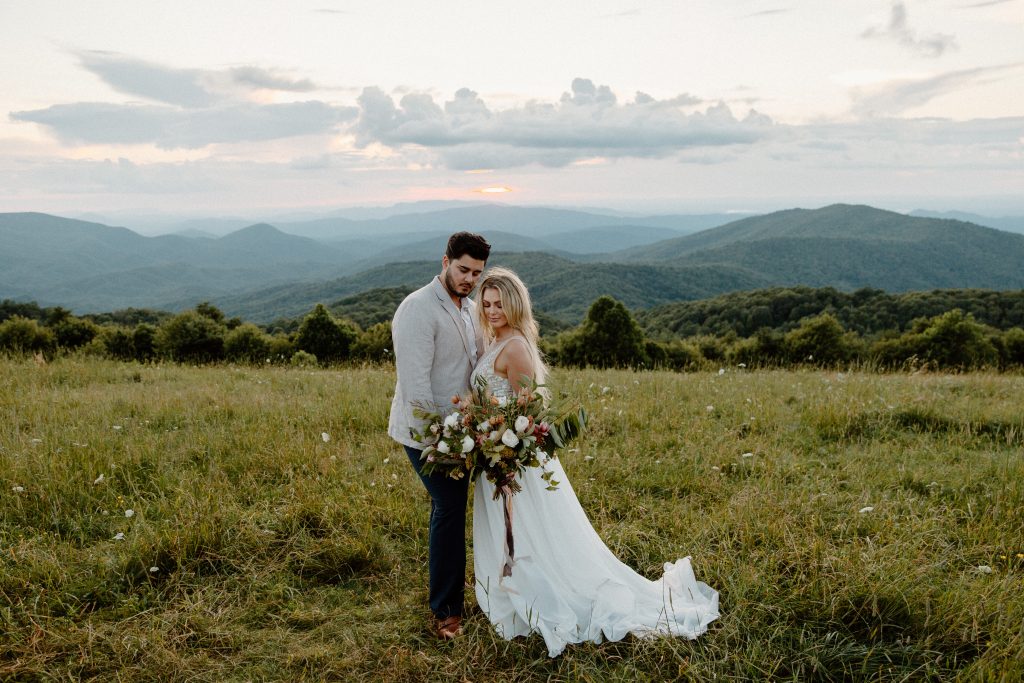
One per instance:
(491, 301)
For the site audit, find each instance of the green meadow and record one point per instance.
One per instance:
(175, 523)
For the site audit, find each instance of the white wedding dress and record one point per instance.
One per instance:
(565, 583)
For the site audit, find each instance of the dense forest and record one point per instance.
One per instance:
(778, 327)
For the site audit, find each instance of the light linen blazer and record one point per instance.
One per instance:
(432, 356)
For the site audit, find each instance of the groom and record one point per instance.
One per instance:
(436, 344)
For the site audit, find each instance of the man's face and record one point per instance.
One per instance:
(460, 275)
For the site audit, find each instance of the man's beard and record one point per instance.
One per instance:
(452, 289)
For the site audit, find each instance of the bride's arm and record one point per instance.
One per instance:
(516, 363)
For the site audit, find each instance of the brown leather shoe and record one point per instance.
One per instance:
(448, 629)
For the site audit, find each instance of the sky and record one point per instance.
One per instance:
(255, 108)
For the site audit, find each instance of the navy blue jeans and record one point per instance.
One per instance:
(447, 539)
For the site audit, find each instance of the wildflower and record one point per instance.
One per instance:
(467, 444)
(522, 424)
(484, 426)
(37, 440)
(721, 371)
(325, 436)
(394, 476)
(716, 468)
(510, 439)
(387, 460)
(119, 536)
(605, 390)
(129, 513)
(742, 365)
(99, 480)
(154, 570)
(869, 508)
(18, 489)
(588, 458)
(117, 428)
(451, 420)
(983, 569)
(443, 447)
(710, 409)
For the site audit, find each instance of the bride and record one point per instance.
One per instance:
(565, 583)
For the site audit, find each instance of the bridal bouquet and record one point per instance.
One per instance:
(497, 437)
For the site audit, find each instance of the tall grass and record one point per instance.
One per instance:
(858, 526)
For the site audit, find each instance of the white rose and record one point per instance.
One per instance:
(451, 420)
(510, 439)
(522, 422)
(467, 444)
(442, 446)
(484, 426)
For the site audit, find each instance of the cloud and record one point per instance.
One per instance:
(269, 80)
(987, 3)
(139, 78)
(766, 13)
(190, 88)
(587, 122)
(174, 128)
(898, 31)
(894, 97)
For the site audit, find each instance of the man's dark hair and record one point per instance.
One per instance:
(467, 243)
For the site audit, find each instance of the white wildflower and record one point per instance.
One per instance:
(119, 536)
(983, 569)
(98, 480)
(117, 428)
(18, 489)
(510, 439)
(605, 390)
(747, 455)
(864, 510)
(721, 371)
(129, 513)
(154, 570)
(325, 436)
(37, 440)
(588, 457)
(387, 460)
(710, 409)
(742, 365)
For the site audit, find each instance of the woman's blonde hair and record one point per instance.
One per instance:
(515, 303)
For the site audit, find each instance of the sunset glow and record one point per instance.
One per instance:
(497, 189)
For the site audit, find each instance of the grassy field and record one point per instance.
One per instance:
(193, 524)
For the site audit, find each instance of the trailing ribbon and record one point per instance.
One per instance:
(510, 547)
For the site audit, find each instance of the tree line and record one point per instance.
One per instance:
(781, 327)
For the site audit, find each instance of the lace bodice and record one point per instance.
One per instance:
(498, 385)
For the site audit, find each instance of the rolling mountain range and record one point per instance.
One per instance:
(262, 272)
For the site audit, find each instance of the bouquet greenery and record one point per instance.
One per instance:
(498, 437)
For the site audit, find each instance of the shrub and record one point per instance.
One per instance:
(326, 338)
(374, 344)
(22, 335)
(118, 342)
(191, 337)
(144, 342)
(247, 343)
(820, 340)
(302, 359)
